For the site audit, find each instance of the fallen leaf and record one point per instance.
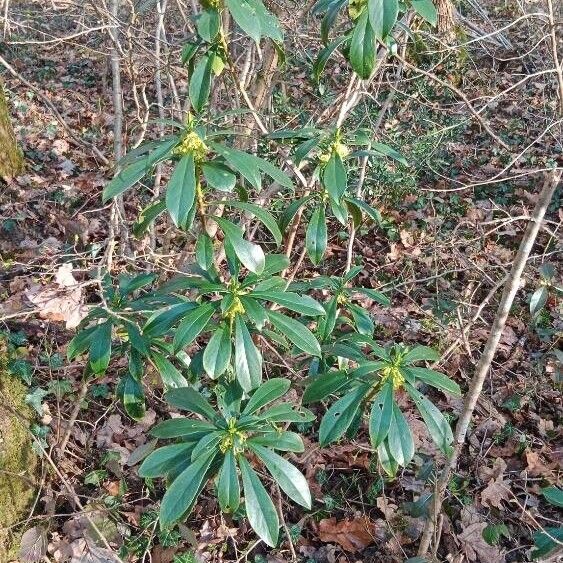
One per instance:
(352, 535)
(33, 545)
(476, 548)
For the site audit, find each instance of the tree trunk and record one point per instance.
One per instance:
(446, 19)
(11, 159)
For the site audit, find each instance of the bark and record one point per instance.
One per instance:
(446, 21)
(11, 159)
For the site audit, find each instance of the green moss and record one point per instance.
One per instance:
(18, 461)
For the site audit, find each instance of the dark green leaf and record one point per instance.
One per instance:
(382, 16)
(335, 177)
(208, 24)
(251, 255)
(381, 413)
(553, 495)
(280, 440)
(435, 379)
(182, 493)
(377, 296)
(200, 82)
(182, 428)
(420, 353)
(266, 393)
(296, 333)
(363, 47)
(219, 176)
(299, 303)
(324, 385)
(256, 313)
(340, 415)
(426, 9)
(264, 216)
(160, 322)
(316, 236)
(260, 509)
(162, 460)
(538, 300)
(248, 361)
(180, 191)
(240, 161)
(133, 397)
(100, 348)
(438, 426)
(171, 377)
(244, 13)
(192, 325)
(291, 210)
(362, 319)
(399, 439)
(288, 477)
(187, 398)
(217, 354)
(228, 488)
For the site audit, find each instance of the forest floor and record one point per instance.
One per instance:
(443, 251)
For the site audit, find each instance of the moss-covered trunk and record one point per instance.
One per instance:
(11, 160)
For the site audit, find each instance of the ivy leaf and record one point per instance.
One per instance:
(425, 9)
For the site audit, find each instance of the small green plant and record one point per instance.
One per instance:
(371, 386)
(219, 446)
(208, 328)
(548, 539)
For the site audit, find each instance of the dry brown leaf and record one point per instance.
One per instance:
(62, 301)
(476, 548)
(495, 492)
(352, 535)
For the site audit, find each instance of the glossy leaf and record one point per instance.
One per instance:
(381, 413)
(296, 333)
(438, 426)
(200, 82)
(217, 355)
(426, 9)
(436, 379)
(188, 399)
(182, 428)
(182, 493)
(340, 415)
(180, 191)
(251, 255)
(162, 460)
(133, 397)
(280, 440)
(335, 177)
(219, 176)
(248, 360)
(267, 392)
(100, 348)
(324, 385)
(382, 16)
(170, 375)
(362, 47)
(399, 439)
(289, 478)
(260, 509)
(316, 236)
(192, 325)
(228, 487)
(263, 215)
(299, 303)
(420, 353)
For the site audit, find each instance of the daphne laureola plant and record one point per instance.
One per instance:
(204, 331)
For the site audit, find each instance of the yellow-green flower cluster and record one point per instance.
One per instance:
(393, 373)
(192, 144)
(233, 439)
